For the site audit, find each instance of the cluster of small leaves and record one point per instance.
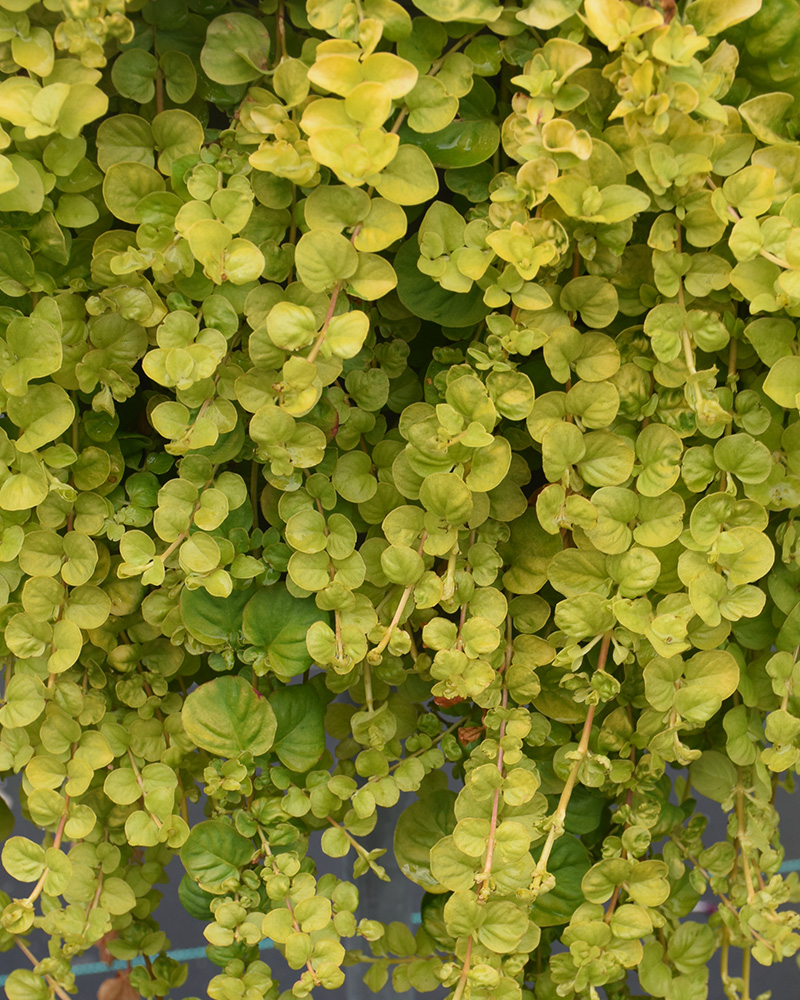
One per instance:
(393, 402)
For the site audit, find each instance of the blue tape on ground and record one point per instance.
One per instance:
(179, 954)
(100, 968)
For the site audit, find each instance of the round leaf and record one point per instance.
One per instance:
(227, 717)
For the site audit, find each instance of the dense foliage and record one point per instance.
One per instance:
(430, 382)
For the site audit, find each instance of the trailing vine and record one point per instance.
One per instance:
(400, 402)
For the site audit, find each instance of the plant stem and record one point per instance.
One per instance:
(360, 850)
(612, 905)
(557, 822)
(268, 853)
(462, 979)
(280, 24)
(398, 121)
(312, 354)
(449, 582)
(418, 753)
(688, 353)
(159, 91)
(764, 253)
(400, 607)
(59, 992)
(95, 898)
(368, 688)
(746, 974)
(37, 889)
(483, 878)
(149, 966)
(453, 48)
(741, 833)
(401, 115)
(732, 354)
(254, 492)
(723, 957)
(138, 775)
(185, 534)
(726, 902)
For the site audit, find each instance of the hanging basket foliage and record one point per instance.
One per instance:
(401, 402)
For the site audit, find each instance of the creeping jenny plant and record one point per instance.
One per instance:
(427, 379)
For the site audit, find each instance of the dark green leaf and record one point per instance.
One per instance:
(300, 737)
(569, 861)
(277, 623)
(213, 855)
(419, 827)
(460, 144)
(213, 620)
(430, 301)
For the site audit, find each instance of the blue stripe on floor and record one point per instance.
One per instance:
(179, 954)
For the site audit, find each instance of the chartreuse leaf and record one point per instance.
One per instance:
(42, 414)
(432, 108)
(176, 134)
(741, 455)
(445, 496)
(710, 17)
(126, 184)
(615, 203)
(37, 347)
(332, 497)
(124, 137)
(409, 179)
(235, 50)
(227, 717)
(9, 179)
(473, 12)
(659, 449)
(692, 946)
(713, 775)
(548, 13)
(23, 859)
(782, 384)
(593, 298)
(323, 258)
